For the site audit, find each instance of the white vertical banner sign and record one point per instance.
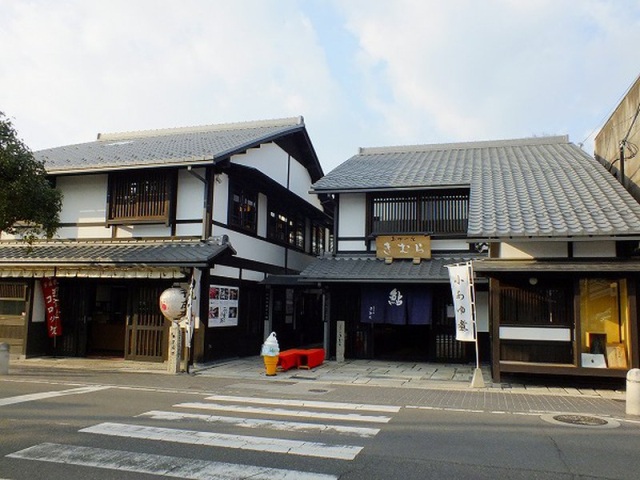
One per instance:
(463, 302)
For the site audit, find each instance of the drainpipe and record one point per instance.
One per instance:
(622, 179)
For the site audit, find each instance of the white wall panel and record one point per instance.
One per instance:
(270, 159)
(529, 250)
(224, 271)
(352, 218)
(190, 197)
(300, 183)
(253, 248)
(594, 249)
(351, 246)
(221, 198)
(85, 198)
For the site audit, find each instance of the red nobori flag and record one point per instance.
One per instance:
(51, 306)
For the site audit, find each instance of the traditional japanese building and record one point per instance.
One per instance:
(545, 225)
(218, 207)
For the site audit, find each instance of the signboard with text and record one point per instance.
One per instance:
(403, 246)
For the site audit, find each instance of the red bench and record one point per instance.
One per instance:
(300, 358)
(311, 358)
(288, 359)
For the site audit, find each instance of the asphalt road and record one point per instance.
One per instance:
(123, 426)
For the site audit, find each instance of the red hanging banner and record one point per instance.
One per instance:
(52, 308)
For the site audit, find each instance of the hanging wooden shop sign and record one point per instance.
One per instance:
(403, 246)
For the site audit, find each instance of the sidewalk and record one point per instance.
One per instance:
(423, 385)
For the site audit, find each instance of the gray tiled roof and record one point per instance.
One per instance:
(345, 268)
(139, 252)
(537, 187)
(178, 146)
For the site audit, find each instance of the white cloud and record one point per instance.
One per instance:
(465, 70)
(361, 72)
(79, 67)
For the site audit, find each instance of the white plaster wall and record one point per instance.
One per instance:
(190, 198)
(352, 246)
(221, 198)
(253, 248)
(270, 159)
(352, 217)
(300, 183)
(252, 275)
(298, 260)
(83, 232)
(128, 231)
(224, 271)
(85, 198)
(452, 244)
(189, 230)
(594, 249)
(529, 250)
(38, 309)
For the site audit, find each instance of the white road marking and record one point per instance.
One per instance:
(306, 403)
(158, 465)
(351, 417)
(363, 432)
(44, 395)
(242, 442)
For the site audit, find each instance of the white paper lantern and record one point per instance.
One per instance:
(173, 303)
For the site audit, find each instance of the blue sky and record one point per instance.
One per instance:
(363, 73)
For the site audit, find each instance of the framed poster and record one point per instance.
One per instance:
(223, 306)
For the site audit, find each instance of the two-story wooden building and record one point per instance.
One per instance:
(220, 206)
(552, 232)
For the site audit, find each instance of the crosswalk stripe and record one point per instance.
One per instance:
(44, 395)
(242, 442)
(262, 423)
(158, 465)
(306, 403)
(351, 417)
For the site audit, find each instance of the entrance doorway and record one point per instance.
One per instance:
(147, 330)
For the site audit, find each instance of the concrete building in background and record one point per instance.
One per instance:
(616, 144)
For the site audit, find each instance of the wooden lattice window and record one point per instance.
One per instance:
(419, 212)
(243, 208)
(12, 298)
(286, 227)
(140, 197)
(532, 306)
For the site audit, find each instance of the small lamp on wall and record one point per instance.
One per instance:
(533, 280)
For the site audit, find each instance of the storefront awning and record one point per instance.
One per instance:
(369, 269)
(556, 266)
(109, 259)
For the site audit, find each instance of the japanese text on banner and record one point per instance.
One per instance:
(462, 302)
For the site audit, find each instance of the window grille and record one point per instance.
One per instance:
(243, 208)
(286, 227)
(140, 197)
(423, 212)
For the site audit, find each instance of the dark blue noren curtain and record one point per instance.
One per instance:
(396, 304)
(419, 306)
(372, 304)
(396, 307)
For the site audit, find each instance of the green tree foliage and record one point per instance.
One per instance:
(29, 204)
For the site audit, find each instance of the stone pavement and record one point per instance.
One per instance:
(422, 385)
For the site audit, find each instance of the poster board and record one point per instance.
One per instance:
(223, 306)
